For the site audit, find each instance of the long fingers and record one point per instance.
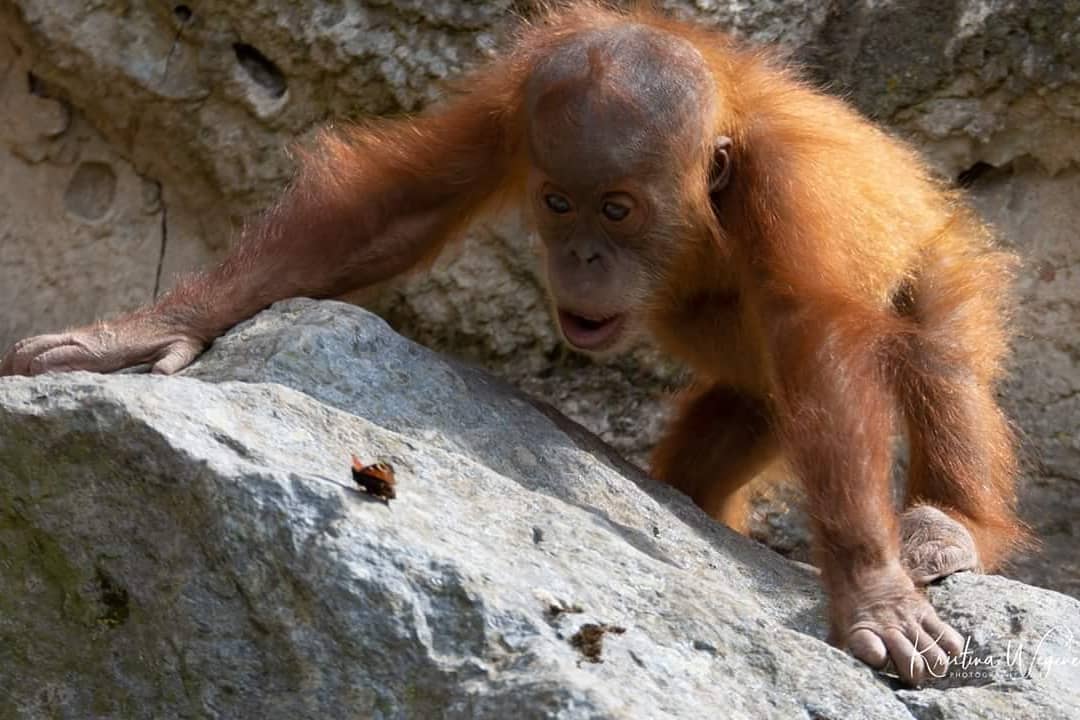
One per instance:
(912, 639)
(18, 360)
(934, 657)
(914, 655)
(64, 358)
(950, 641)
(865, 644)
(909, 664)
(102, 348)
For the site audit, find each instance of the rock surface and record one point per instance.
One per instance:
(192, 547)
(1040, 215)
(137, 133)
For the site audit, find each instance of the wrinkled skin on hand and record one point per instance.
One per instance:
(139, 338)
(885, 619)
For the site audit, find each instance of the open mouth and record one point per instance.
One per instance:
(590, 333)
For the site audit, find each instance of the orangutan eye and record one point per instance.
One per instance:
(615, 211)
(557, 203)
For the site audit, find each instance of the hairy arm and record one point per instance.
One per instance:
(368, 203)
(821, 250)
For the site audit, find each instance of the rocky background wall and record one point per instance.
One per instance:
(134, 136)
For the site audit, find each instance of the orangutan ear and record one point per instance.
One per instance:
(720, 173)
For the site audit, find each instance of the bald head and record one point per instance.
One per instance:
(614, 101)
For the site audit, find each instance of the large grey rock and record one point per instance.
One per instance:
(190, 107)
(192, 547)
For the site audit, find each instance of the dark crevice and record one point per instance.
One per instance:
(114, 600)
(183, 15)
(36, 86)
(164, 242)
(968, 177)
(261, 69)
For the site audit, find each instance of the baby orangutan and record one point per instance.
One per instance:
(804, 264)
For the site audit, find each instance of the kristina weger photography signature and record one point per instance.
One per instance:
(1026, 661)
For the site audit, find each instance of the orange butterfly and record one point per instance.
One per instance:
(376, 479)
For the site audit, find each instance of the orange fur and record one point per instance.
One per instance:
(834, 284)
(831, 290)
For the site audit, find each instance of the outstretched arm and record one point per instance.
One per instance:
(368, 203)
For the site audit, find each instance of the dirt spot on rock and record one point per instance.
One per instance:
(589, 639)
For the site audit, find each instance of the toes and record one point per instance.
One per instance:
(947, 638)
(909, 664)
(868, 647)
(914, 652)
(917, 651)
(935, 659)
(891, 623)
